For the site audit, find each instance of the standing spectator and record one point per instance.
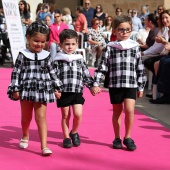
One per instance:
(136, 22)
(148, 9)
(143, 15)
(39, 8)
(88, 12)
(99, 13)
(160, 9)
(67, 13)
(80, 24)
(29, 10)
(25, 16)
(118, 11)
(55, 30)
(42, 14)
(129, 11)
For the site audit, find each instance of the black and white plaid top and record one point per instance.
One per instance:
(74, 75)
(125, 68)
(34, 77)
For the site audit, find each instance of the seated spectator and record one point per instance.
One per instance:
(161, 40)
(150, 22)
(142, 35)
(55, 30)
(136, 22)
(67, 13)
(99, 13)
(48, 20)
(162, 69)
(101, 25)
(66, 20)
(96, 39)
(108, 24)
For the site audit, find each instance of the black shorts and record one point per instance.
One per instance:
(69, 98)
(117, 95)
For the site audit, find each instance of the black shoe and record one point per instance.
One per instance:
(149, 95)
(162, 100)
(129, 143)
(117, 143)
(75, 138)
(67, 143)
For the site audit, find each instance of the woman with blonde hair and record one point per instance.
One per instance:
(66, 12)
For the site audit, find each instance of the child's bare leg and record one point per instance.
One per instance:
(77, 111)
(65, 121)
(26, 117)
(40, 118)
(116, 119)
(129, 105)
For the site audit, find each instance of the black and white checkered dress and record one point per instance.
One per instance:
(34, 77)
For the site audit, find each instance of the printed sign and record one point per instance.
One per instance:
(14, 27)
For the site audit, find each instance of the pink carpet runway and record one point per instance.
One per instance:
(96, 132)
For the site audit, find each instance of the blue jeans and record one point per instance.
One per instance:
(53, 49)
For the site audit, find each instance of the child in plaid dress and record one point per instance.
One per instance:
(122, 61)
(73, 72)
(33, 82)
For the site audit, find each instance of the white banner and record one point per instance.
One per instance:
(14, 27)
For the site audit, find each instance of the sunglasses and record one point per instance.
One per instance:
(122, 30)
(56, 16)
(20, 4)
(160, 9)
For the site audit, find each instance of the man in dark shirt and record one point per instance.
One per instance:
(88, 12)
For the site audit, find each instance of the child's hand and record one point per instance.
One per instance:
(16, 95)
(57, 94)
(94, 90)
(139, 94)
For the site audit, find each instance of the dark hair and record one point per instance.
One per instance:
(153, 18)
(161, 25)
(101, 9)
(94, 20)
(80, 9)
(68, 34)
(39, 7)
(25, 8)
(37, 27)
(121, 19)
(57, 12)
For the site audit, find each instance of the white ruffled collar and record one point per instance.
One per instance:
(123, 45)
(67, 57)
(41, 55)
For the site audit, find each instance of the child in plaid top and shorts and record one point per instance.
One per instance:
(33, 82)
(73, 72)
(126, 75)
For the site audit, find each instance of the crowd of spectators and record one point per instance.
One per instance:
(150, 30)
